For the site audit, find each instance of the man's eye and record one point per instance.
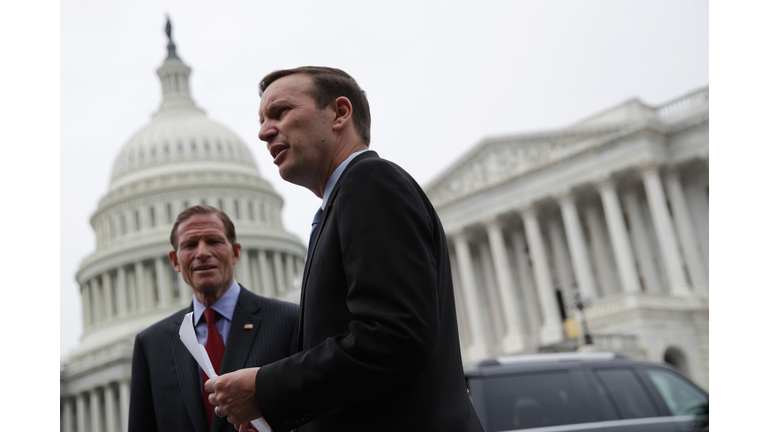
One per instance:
(281, 112)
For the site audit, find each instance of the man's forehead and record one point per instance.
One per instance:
(202, 223)
(287, 86)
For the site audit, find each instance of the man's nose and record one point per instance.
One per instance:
(202, 250)
(267, 130)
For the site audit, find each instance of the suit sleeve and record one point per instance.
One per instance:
(386, 238)
(141, 417)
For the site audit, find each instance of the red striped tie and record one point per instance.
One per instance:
(215, 347)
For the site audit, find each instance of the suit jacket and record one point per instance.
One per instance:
(165, 386)
(378, 334)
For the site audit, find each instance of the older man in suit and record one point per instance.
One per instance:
(239, 329)
(378, 334)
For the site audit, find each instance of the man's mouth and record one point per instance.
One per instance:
(276, 149)
(204, 268)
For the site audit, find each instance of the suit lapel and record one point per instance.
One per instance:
(318, 232)
(240, 341)
(189, 381)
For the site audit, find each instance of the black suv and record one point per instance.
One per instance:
(584, 392)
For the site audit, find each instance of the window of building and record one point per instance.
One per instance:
(169, 207)
(250, 210)
(237, 209)
(123, 225)
(138, 220)
(152, 216)
(221, 205)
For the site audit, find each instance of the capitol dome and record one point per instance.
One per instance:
(180, 159)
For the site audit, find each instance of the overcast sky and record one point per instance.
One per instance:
(440, 76)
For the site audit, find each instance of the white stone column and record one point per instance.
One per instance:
(665, 232)
(164, 289)
(277, 258)
(81, 417)
(513, 338)
(97, 308)
(684, 226)
(95, 410)
(562, 260)
(552, 329)
(488, 286)
(268, 289)
(125, 401)
(109, 407)
(67, 415)
(532, 308)
(639, 235)
(602, 257)
(290, 271)
(617, 231)
(121, 291)
(106, 284)
(698, 204)
(85, 299)
(142, 288)
(243, 270)
(576, 245)
(478, 347)
(256, 274)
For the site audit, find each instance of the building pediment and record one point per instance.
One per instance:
(500, 159)
(497, 160)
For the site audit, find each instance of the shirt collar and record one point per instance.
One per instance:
(225, 305)
(335, 177)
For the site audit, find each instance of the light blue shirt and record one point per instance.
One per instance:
(225, 306)
(335, 177)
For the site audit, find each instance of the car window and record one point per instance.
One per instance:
(627, 393)
(529, 400)
(682, 397)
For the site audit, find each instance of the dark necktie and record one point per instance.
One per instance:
(315, 221)
(215, 347)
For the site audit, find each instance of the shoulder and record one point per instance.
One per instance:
(163, 327)
(280, 308)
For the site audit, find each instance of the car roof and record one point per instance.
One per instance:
(550, 361)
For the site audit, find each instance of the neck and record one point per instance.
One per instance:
(343, 151)
(210, 297)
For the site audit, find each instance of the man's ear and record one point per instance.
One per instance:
(342, 109)
(174, 260)
(236, 252)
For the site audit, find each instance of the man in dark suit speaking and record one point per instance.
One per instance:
(378, 337)
(238, 328)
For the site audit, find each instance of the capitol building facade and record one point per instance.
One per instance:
(597, 230)
(182, 158)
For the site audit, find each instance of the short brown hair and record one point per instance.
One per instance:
(329, 84)
(229, 227)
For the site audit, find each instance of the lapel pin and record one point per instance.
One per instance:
(248, 326)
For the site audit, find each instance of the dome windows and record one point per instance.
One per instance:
(180, 147)
(207, 146)
(193, 146)
(169, 208)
